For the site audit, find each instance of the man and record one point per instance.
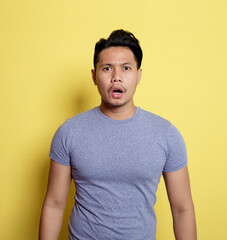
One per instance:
(116, 154)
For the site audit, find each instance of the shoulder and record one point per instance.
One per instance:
(159, 125)
(77, 121)
(154, 121)
(82, 119)
(92, 113)
(170, 139)
(74, 127)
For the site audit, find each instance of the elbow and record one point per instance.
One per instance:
(56, 203)
(186, 207)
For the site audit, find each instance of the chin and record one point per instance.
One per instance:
(116, 104)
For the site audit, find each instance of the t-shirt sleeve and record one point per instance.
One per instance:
(177, 154)
(60, 146)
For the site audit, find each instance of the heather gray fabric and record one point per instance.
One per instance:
(116, 167)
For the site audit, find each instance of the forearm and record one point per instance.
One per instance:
(51, 222)
(184, 225)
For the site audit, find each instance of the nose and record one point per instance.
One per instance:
(116, 77)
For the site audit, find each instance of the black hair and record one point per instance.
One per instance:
(119, 38)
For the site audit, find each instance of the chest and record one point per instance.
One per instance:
(117, 155)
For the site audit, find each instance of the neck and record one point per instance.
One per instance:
(118, 113)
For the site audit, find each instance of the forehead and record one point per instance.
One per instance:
(113, 55)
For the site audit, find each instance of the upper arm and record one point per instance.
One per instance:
(178, 189)
(58, 184)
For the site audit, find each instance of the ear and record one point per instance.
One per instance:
(139, 75)
(93, 74)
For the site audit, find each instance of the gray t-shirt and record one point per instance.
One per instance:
(116, 166)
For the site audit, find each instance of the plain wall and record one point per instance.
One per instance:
(46, 51)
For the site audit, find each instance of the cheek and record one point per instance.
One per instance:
(132, 83)
(102, 87)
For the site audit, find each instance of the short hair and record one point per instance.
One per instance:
(119, 38)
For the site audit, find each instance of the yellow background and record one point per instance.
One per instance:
(46, 50)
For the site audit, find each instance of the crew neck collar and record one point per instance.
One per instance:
(117, 120)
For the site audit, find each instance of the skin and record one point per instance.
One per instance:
(179, 194)
(55, 201)
(117, 69)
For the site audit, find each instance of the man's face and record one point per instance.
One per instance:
(116, 76)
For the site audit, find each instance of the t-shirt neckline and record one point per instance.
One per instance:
(119, 121)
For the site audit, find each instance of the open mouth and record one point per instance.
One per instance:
(117, 92)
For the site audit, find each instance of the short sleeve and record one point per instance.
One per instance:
(60, 146)
(177, 154)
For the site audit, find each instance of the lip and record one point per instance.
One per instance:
(117, 88)
(117, 95)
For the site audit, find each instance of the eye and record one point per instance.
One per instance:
(126, 68)
(106, 69)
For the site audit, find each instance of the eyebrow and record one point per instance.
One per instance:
(109, 64)
(127, 63)
(105, 64)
